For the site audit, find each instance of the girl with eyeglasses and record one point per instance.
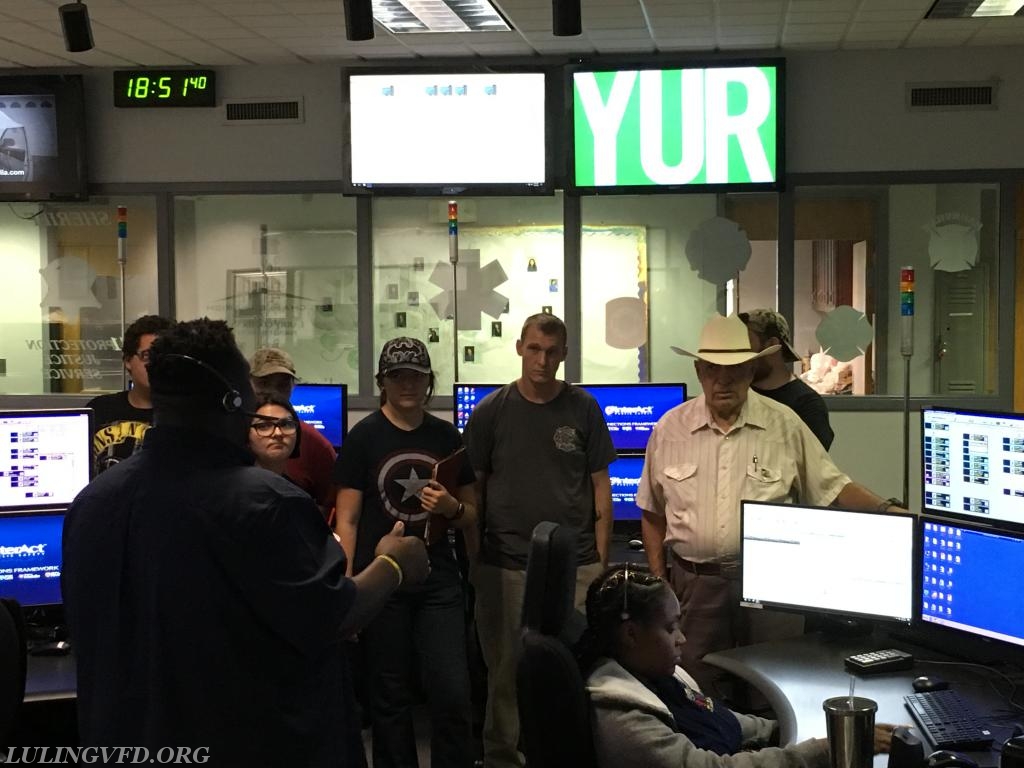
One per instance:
(647, 711)
(274, 434)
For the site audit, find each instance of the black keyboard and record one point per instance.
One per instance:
(947, 721)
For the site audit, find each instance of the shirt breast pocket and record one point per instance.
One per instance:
(680, 484)
(764, 484)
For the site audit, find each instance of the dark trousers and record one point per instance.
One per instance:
(420, 631)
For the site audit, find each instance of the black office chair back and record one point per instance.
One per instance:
(550, 588)
(554, 710)
(12, 667)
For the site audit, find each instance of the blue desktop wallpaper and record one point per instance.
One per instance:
(30, 558)
(324, 407)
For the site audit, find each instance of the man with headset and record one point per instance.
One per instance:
(206, 598)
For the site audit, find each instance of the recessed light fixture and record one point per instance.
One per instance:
(974, 9)
(439, 16)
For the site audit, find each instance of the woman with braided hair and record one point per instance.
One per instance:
(648, 712)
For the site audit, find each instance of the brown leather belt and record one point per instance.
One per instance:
(728, 570)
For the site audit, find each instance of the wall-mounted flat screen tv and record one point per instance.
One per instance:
(699, 127)
(42, 140)
(447, 132)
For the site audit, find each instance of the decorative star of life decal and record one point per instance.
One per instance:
(475, 286)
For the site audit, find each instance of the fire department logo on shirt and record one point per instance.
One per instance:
(399, 481)
(568, 439)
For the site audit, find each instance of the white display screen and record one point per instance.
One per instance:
(828, 560)
(972, 464)
(46, 458)
(447, 129)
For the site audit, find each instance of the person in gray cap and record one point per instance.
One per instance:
(773, 374)
(703, 457)
(273, 375)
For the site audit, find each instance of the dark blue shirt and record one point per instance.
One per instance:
(204, 598)
(701, 719)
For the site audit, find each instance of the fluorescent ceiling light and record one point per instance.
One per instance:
(439, 16)
(967, 9)
(998, 8)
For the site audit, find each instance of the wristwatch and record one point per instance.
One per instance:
(892, 501)
(459, 511)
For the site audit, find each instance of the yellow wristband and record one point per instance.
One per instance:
(394, 564)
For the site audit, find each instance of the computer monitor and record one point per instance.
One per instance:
(46, 459)
(971, 579)
(624, 474)
(632, 410)
(30, 557)
(972, 464)
(827, 560)
(324, 406)
(466, 398)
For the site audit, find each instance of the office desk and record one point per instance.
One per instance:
(797, 675)
(50, 678)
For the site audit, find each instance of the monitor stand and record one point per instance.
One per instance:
(837, 627)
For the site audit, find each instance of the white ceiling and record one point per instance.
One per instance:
(227, 32)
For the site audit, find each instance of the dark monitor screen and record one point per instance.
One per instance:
(466, 398)
(46, 459)
(624, 474)
(30, 557)
(972, 464)
(827, 560)
(324, 406)
(632, 410)
(972, 579)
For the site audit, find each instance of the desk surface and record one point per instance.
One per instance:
(50, 677)
(797, 675)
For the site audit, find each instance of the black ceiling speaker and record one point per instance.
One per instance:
(358, 19)
(565, 18)
(74, 19)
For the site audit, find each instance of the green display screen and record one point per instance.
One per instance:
(676, 127)
(165, 88)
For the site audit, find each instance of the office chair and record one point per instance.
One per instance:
(12, 667)
(554, 709)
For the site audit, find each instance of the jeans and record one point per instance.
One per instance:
(420, 630)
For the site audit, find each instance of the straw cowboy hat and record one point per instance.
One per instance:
(724, 341)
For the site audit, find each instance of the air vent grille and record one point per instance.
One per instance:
(263, 111)
(946, 96)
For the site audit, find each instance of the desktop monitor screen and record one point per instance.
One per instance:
(972, 464)
(632, 410)
(856, 564)
(972, 579)
(467, 396)
(30, 557)
(624, 474)
(46, 459)
(324, 406)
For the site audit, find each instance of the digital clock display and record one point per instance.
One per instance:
(165, 88)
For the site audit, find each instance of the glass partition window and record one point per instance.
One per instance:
(656, 267)
(60, 320)
(510, 265)
(280, 269)
(850, 246)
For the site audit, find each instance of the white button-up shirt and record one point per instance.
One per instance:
(695, 474)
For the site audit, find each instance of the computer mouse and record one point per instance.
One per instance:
(922, 684)
(945, 758)
(58, 648)
(636, 544)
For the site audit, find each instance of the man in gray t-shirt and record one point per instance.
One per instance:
(541, 450)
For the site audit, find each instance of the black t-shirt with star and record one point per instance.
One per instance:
(390, 466)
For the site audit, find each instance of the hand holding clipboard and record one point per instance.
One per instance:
(444, 481)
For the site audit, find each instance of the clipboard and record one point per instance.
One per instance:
(446, 472)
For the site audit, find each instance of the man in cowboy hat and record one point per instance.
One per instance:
(703, 457)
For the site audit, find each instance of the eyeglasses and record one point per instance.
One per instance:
(266, 427)
(404, 374)
(143, 355)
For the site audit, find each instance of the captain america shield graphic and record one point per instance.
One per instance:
(401, 478)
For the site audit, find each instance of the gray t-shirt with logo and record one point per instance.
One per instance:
(538, 459)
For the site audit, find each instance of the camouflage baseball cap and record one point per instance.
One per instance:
(767, 323)
(270, 360)
(404, 352)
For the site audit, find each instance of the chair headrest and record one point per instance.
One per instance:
(550, 578)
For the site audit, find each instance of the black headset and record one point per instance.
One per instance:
(231, 400)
